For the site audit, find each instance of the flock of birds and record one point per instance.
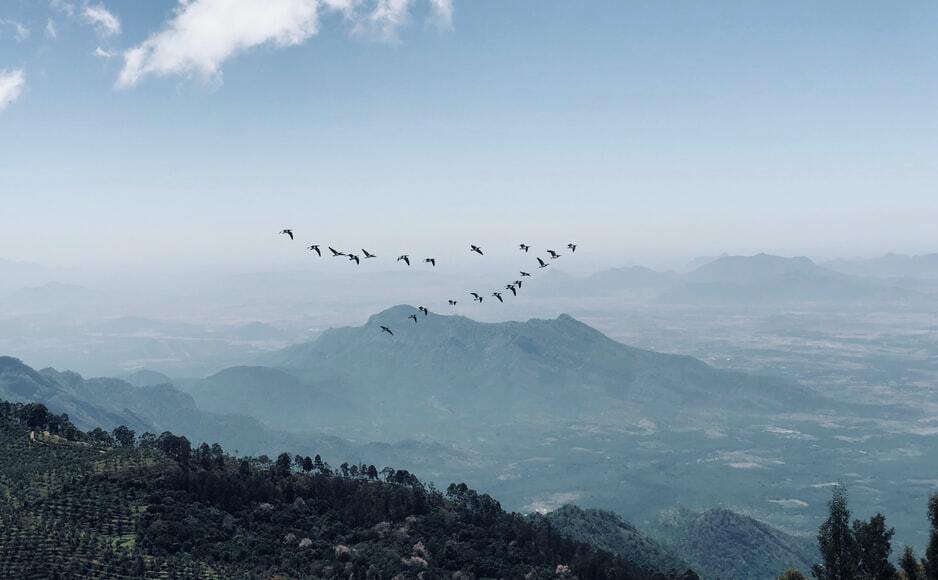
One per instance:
(513, 286)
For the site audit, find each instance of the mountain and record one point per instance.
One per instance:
(147, 378)
(764, 279)
(607, 531)
(443, 373)
(107, 403)
(924, 266)
(722, 544)
(271, 395)
(75, 507)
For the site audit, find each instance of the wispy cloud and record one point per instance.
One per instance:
(12, 83)
(20, 30)
(101, 18)
(51, 31)
(63, 7)
(103, 53)
(385, 20)
(203, 34)
(441, 13)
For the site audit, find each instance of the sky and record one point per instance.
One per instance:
(185, 134)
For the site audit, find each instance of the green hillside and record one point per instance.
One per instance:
(93, 505)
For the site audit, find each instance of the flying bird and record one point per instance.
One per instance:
(452, 303)
(518, 283)
(315, 248)
(571, 247)
(405, 258)
(336, 253)
(424, 310)
(476, 249)
(523, 274)
(476, 297)
(542, 263)
(511, 287)
(553, 255)
(498, 295)
(354, 258)
(368, 254)
(386, 329)
(431, 261)
(525, 247)
(288, 232)
(413, 317)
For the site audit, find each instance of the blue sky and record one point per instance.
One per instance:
(179, 133)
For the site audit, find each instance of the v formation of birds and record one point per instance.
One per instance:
(512, 287)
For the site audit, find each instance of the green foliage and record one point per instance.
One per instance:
(911, 567)
(78, 507)
(931, 552)
(874, 546)
(837, 543)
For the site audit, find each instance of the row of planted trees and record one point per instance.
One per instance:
(861, 549)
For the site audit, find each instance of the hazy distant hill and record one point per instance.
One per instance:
(764, 279)
(271, 395)
(447, 371)
(607, 531)
(52, 297)
(147, 378)
(722, 544)
(923, 266)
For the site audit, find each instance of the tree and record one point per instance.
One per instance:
(147, 441)
(931, 552)
(124, 436)
(837, 543)
(874, 546)
(372, 472)
(37, 415)
(101, 437)
(283, 463)
(909, 564)
(308, 464)
(205, 456)
(219, 455)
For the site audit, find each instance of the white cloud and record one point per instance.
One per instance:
(205, 33)
(385, 20)
(441, 13)
(101, 18)
(11, 86)
(51, 31)
(103, 53)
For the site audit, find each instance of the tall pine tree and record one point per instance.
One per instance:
(837, 543)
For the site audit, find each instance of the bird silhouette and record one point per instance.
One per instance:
(354, 258)
(315, 248)
(405, 258)
(498, 295)
(542, 263)
(424, 310)
(476, 249)
(525, 247)
(336, 253)
(431, 261)
(476, 297)
(518, 283)
(288, 232)
(386, 329)
(452, 303)
(523, 274)
(368, 254)
(413, 317)
(511, 287)
(553, 255)
(571, 247)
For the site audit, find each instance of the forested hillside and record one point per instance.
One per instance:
(110, 505)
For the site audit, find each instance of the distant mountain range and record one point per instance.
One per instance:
(924, 266)
(758, 280)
